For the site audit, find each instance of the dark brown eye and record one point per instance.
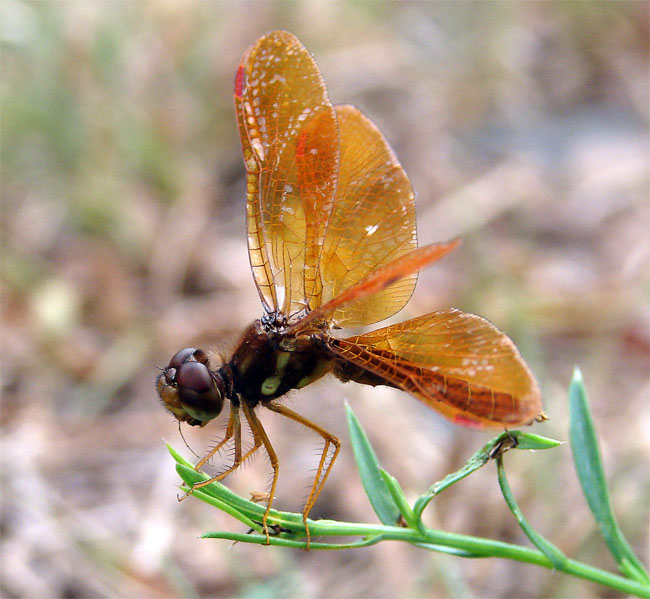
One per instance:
(189, 389)
(197, 391)
(184, 355)
(199, 356)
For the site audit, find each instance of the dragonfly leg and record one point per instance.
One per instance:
(324, 466)
(261, 439)
(234, 429)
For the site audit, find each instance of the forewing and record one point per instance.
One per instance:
(290, 141)
(372, 222)
(457, 363)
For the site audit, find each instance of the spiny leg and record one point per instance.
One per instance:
(324, 467)
(261, 438)
(234, 429)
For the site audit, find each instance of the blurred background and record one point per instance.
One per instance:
(524, 129)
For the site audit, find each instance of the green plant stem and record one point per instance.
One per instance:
(476, 546)
(388, 500)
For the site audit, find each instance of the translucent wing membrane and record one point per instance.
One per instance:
(327, 200)
(459, 364)
(372, 222)
(383, 278)
(290, 141)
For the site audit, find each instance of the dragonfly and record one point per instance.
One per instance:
(331, 229)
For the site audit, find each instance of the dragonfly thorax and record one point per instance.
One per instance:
(267, 364)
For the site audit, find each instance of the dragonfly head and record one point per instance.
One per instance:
(189, 389)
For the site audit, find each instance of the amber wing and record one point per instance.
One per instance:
(290, 140)
(372, 222)
(327, 201)
(458, 363)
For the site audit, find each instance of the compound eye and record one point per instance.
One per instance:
(199, 356)
(197, 390)
(184, 355)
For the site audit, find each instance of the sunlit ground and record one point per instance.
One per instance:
(524, 129)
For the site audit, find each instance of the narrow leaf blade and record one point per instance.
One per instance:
(532, 441)
(378, 492)
(553, 553)
(589, 467)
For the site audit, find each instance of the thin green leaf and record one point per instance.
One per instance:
(589, 467)
(284, 542)
(225, 507)
(376, 489)
(552, 552)
(399, 498)
(177, 456)
(219, 491)
(531, 441)
(505, 441)
(474, 463)
(226, 500)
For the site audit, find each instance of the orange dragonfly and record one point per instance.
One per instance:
(332, 243)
